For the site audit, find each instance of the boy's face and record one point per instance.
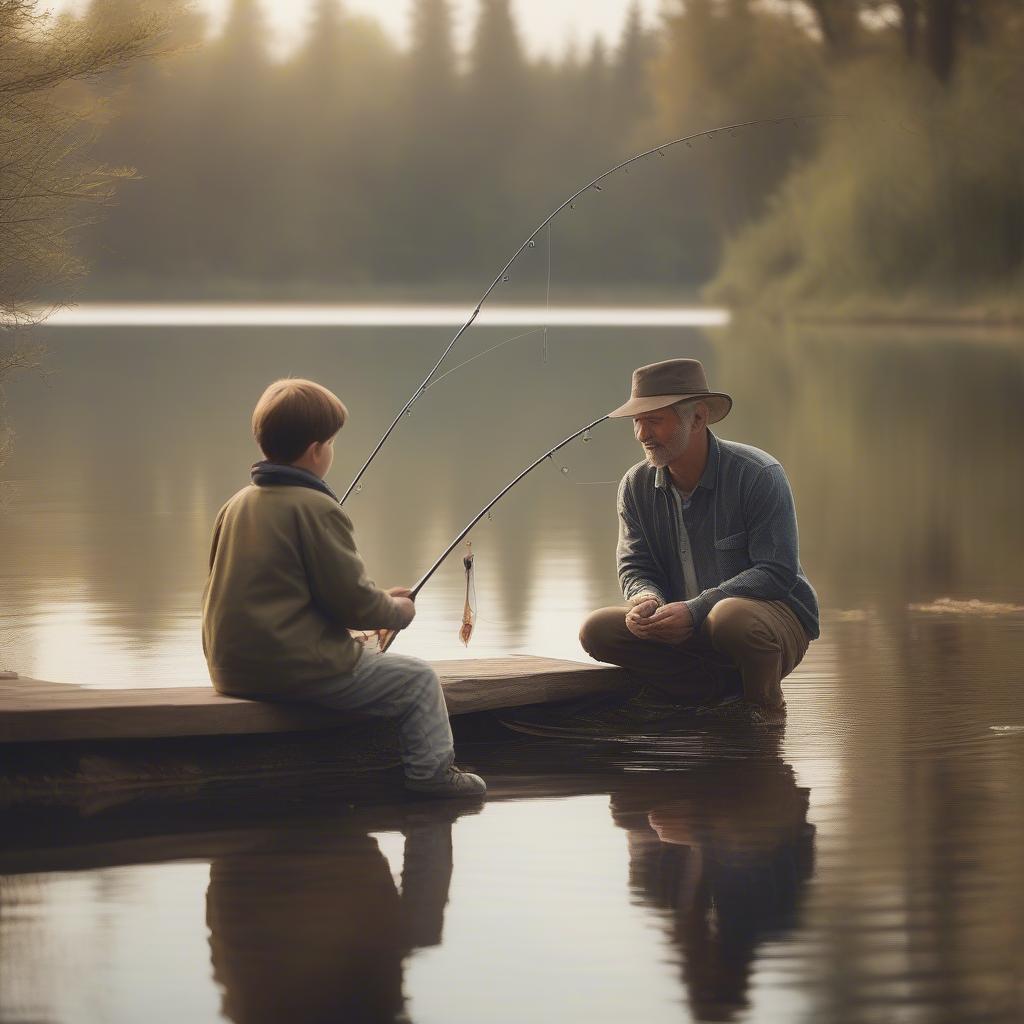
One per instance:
(319, 457)
(327, 454)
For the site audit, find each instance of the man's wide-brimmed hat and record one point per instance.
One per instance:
(673, 380)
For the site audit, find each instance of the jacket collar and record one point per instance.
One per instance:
(710, 475)
(275, 474)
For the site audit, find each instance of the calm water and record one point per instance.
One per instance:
(866, 866)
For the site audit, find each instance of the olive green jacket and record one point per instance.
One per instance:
(286, 583)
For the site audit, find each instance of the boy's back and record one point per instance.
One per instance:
(286, 583)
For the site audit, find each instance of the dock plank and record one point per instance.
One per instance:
(37, 710)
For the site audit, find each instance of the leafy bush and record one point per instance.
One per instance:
(920, 192)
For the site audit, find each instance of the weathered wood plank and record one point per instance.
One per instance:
(35, 710)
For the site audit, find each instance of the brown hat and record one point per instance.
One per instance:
(660, 384)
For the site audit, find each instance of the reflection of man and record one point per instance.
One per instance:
(726, 848)
(309, 928)
(708, 558)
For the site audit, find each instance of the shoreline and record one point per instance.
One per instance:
(915, 311)
(918, 312)
(881, 318)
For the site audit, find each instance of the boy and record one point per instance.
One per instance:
(287, 583)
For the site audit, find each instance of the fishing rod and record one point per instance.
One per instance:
(461, 536)
(503, 276)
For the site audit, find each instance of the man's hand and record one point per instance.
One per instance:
(638, 614)
(670, 624)
(399, 592)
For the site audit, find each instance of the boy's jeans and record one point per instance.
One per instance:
(408, 690)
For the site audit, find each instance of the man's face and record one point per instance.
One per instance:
(664, 436)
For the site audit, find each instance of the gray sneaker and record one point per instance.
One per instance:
(452, 782)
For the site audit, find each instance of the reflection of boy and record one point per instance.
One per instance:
(307, 925)
(287, 584)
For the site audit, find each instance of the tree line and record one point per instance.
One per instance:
(354, 163)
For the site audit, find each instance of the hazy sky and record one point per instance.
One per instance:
(546, 25)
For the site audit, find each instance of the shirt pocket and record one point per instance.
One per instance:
(731, 555)
(733, 542)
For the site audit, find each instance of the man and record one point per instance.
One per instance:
(720, 610)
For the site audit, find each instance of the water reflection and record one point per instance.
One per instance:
(898, 443)
(308, 925)
(725, 848)
(308, 920)
(904, 719)
(124, 455)
(601, 882)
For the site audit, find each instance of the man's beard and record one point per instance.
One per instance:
(677, 444)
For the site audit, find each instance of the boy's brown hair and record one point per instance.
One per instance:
(293, 413)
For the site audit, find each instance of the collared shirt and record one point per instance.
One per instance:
(739, 527)
(681, 503)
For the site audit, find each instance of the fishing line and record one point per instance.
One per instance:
(493, 348)
(547, 306)
(485, 511)
(503, 275)
(564, 470)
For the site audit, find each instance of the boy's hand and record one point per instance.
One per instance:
(399, 592)
(406, 610)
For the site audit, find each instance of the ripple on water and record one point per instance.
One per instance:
(974, 606)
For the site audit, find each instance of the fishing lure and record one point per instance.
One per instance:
(464, 532)
(469, 608)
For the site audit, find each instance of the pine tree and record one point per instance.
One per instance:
(498, 70)
(151, 129)
(320, 61)
(432, 59)
(499, 115)
(633, 100)
(240, 181)
(242, 47)
(316, 190)
(430, 238)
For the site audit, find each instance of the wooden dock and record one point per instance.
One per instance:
(94, 751)
(37, 711)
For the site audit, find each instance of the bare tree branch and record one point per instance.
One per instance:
(47, 180)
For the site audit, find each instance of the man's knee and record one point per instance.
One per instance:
(734, 627)
(601, 630)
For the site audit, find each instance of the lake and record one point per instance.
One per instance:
(866, 865)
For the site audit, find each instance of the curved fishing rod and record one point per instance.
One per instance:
(461, 536)
(531, 239)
